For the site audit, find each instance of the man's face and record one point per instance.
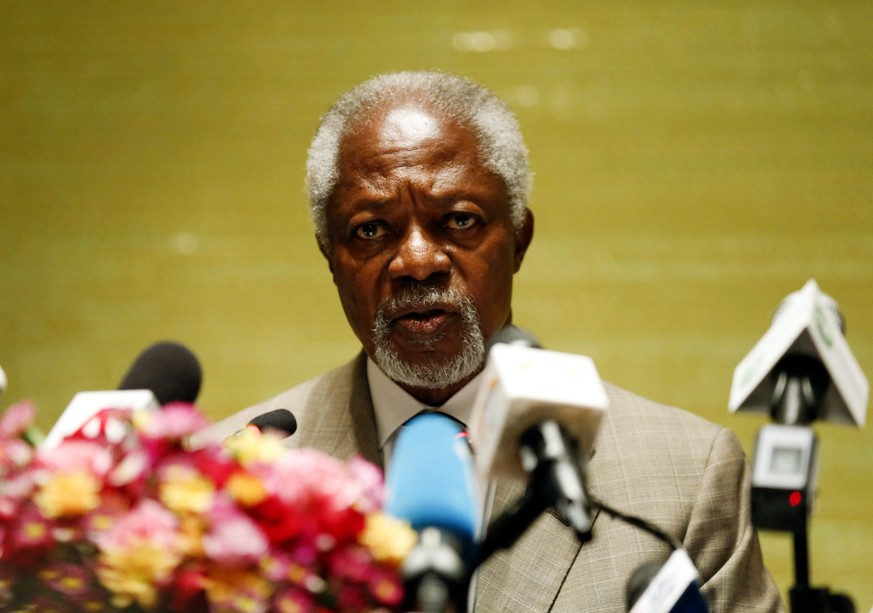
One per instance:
(422, 247)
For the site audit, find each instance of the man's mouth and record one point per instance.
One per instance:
(422, 323)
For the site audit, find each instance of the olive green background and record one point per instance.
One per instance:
(695, 162)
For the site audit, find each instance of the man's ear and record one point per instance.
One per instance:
(523, 237)
(324, 247)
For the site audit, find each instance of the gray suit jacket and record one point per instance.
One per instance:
(683, 473)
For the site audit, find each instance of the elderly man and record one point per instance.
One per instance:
(418, 184)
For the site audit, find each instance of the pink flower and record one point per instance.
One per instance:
(310, 496)
(148, 521)
(368, 479)
(130, 469)
(15, 491)
(15, 454)
(74, 455)
(233, 538)
(139, 553)
(174, 422)
(16, 419)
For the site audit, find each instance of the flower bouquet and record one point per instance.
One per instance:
(127, 515)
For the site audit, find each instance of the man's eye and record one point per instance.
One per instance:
(370, 230)
(461, 221)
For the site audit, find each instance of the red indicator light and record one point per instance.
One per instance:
(795, 498)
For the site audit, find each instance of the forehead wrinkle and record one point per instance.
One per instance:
(378, 163)
(403, 173)
(441, 184)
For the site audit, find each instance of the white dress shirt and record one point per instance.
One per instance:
(394, 406)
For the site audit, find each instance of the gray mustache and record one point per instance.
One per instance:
(422, 298)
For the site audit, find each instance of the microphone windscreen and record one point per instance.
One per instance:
(431, 480)
(278, 419)
(170, 370)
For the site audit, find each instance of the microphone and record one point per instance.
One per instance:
(282, 421)
(669, 588)
(431, 483)
(802, 369)
(170, 370)
(536, 415)
(163, 373)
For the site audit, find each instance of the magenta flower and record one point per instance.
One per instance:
(295, 599)
(71, 580)
(29, 536)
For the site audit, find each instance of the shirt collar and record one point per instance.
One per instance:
(394, 406)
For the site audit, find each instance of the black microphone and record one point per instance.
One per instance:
(281, 421)
(170, 370)
(163, 373)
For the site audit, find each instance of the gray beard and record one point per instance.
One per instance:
(436, 375)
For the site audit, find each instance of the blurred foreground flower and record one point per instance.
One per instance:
(144, 522)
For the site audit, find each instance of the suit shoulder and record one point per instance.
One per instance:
(297, 399)
(631, 414)
(647, 446)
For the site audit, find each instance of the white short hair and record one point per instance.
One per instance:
(502, 147)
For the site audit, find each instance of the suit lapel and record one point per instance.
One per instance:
(346, 424)
(534, 569)
(364, 435)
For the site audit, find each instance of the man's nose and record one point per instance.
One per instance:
(419, 257)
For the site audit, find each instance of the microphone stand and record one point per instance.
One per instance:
(800, 386)
(804, 598)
